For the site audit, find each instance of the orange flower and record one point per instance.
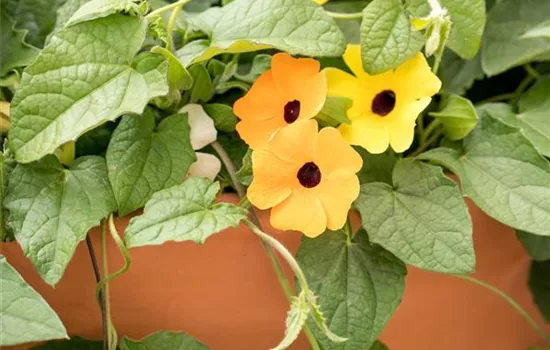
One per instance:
(307, 177)
(292, 90)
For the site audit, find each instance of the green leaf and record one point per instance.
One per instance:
(359, 286)
(503, 174)
(178, 76)
(183, 213)
(534, 116)
(15, 53)
(245, 173)
(505, 44)
(223, 116)
(350, 27)
(38, 17)
(64, 13)
(379, 346)
(202, 90)
(376, 167)
(295, 320)
(52, 209)
(542, 30)
(102, 8)
(540, 286)
(459, 117)
(260, 64)
(94, 59)
(251, 25)
(468, 22)
(190, 52)
(501, 111)
(24, 314)
(387, 36)
(335, 111)
(143, 159)
(538, 247)
(163, 340)
(423, 219)
(458, 75)
(75, 343)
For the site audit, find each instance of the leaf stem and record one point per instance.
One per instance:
(428, 143)
(511, 302)
(498, 98)
(170, 27)
(97, 276)
(523, 85)
(107, 305)
(531, 71)
(283, 281)
(3, 229)
(167, 8)
(338, 15)
(437, 62)
(429, 130)
(348, 231)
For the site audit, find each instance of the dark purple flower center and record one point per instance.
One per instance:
(292, 111)
(383, 103)
(309, 175)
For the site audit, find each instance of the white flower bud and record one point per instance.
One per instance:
(203, 131)
(207, 165)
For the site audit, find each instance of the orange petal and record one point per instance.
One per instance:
(302, 212)
(257, 133)
(333, 153)
(292, 74)
(273, 180)
(364, 132)
(313, 96)
(295, 142)
(337, 193)
(263, 100)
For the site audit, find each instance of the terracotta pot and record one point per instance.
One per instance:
(226, 294)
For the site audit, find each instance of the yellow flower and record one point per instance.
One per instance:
(307, 177)
(320, 2)
(292, 90)
(385, 106)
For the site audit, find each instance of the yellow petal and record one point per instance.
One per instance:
(333, 153)
(352, 57)
(321, 2)
(273, 179)
(302, 212)
(342, 84)
(337, 193)
(364, 132)
(401, 137)
(414, 79)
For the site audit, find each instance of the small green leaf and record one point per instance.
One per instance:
(538, 247)
(359, 286)
(534, 115)
(335, 111)
(458, 75)
(163, 340)
(350, 27)
(15, 52)
(224, 118)
(505, 45)
(24, 314)
(202, 90)
(376, 167)
(36, 16)
(542, 30)
(423, 219)
(52, 209)
(260, 64)
(143, 159)
(468, 22)
(95, 60)
(503, 174)
(295, 320)
(178, 77)
(183, 213)
(245, 173)
(459, 117)
(75, 343)
(540, 286)
(501, 111)
(251, 25)
(387, 36)
(190, 52)
(102, 8)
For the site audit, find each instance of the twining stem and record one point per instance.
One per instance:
(428, 143)
(170, 27)
(283, 281)
(111, 333)
(97, 276)
(429, 130)
(498, 98)
(338, 15)
(511, 302)
(2, 218)
(348, 230)
(531, 71)
(167, 8)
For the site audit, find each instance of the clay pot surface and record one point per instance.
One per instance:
(226, 294)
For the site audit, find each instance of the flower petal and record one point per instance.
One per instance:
(415, 78)
(337, 193)
(207, 165)
(257, 133)
(290, 74)
(364, 132)
(342, 84)
(203, 131)
(263, 100)
(273, 179)
(295, 143)
(401, 136)
(333, 153)
(352, 57)
(313, 96)
(302, 212)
